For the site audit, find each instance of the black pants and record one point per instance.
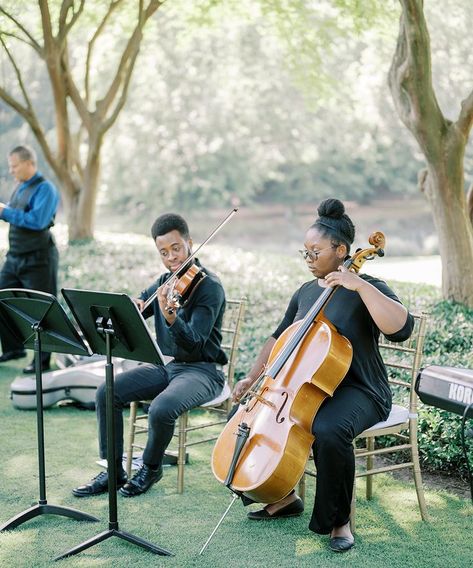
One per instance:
(341, 418)
(174, 388)
(34, 271)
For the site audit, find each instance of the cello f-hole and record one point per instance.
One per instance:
(280, 419)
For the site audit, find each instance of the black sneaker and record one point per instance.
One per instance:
(98, 485)
(143, 479)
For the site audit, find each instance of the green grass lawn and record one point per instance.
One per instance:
(389, 529)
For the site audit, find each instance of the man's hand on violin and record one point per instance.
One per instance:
(168, 311)
(346, 278)
(240, 388)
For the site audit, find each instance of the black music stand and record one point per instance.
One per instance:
(40, 323)
(113, 326)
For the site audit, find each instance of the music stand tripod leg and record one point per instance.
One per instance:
(113, 529)
(42, 508)
(121, 534)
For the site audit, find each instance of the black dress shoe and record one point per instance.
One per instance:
(294, 509)
(98, 485)
(31, 368)
(341, 543)
(143, 479)
(10, 355)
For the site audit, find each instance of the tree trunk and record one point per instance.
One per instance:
(80, 219)
(443, 190)
(443, 144)
(80, 200)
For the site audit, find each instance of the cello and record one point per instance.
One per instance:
(262, 452)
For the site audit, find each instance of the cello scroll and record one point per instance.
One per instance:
(378, 242)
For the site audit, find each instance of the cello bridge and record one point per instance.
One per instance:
(260, 398)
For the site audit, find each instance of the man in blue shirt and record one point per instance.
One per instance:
(32, 257)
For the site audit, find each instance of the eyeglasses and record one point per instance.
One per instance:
(313, 254)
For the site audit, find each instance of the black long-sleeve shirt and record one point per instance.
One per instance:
(347, 312)
(196, 333)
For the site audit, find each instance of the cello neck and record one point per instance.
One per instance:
(303, 327)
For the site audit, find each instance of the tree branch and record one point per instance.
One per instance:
(465, 119)
(18, 75)
(17, 37)
(410, 78)
(65, 26)
(30, 117)
(73, 92)
(66, 5)
(12, 102)
(19, 25)
(53, 59)
(46, 25)
(122, 100)
(133, 44)
(113, 4)
(129, 53)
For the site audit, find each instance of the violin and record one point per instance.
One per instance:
(181, 288)
(263, 449)
(183, 282)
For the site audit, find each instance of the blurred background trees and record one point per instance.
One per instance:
(223, 105)
(254, 102)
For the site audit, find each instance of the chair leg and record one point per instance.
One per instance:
(131, 438)
(301, 488)
(369, 465)
(353, 509)
(181, 451)
(417, 473)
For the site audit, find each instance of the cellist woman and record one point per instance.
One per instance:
(361, 308)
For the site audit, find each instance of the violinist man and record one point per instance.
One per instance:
(362, 307)
(192, 336)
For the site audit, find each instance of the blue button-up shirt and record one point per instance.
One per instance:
(43, 204)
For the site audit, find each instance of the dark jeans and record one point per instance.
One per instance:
(34, 271)
(174, 388)
(341, 418)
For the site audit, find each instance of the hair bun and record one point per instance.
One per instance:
(335, 222)
(331, 208)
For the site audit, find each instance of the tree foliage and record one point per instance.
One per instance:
(233, 113)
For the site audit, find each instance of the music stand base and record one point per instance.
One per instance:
(45, 509)
(121, 534)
